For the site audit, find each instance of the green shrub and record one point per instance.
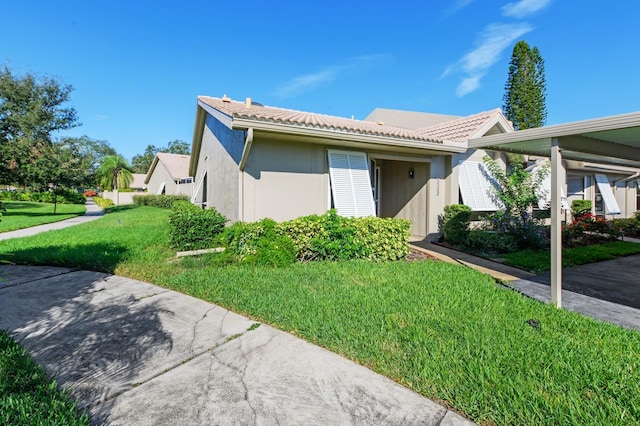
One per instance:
(63, 196)
(102, 202)
(259, 243)
(490, 242)
(162, 201)
(455, 223)
(333, 237)
(192, 228)
(580, 208)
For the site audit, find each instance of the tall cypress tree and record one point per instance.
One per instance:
(524, 100)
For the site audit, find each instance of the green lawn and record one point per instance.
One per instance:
(540, 260)
(27, 395)
(443, 330)
(25, 214)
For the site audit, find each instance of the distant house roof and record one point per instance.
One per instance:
(464, 128)
(176, 164)
(408, 119)
(138, 181)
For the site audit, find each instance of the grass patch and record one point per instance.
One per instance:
(540, 260)
(445, 331)
(24, 214)
(27, 395)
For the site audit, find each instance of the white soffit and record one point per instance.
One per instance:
(607, 194)
(476, 186)
(350, 183)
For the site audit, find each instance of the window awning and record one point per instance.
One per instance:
(611, 205)
(476, 186)
(350, 183)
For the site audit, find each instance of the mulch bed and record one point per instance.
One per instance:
(415, 255)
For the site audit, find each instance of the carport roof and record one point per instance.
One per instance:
(609, 140)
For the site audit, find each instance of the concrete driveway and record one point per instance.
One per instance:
(133, 353)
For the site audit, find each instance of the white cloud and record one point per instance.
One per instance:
(457, 6)
(309, 82)
(468, 85)
(524, 8)
(491, 43)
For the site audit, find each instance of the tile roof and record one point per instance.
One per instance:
(138, 180)
(408, 119)
(262, 113)
(459, 130)
(454, 130)
(176, 164)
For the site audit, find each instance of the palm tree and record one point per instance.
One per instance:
(114, 173)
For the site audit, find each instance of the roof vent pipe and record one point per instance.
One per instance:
(247, 103)
(225, 98)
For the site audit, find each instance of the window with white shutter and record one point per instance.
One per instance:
(607, 194)
(476, 186)
(350, 183)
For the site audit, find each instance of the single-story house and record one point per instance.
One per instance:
(250, 161)
(169, 174)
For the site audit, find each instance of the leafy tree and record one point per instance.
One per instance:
(141, 162)
(524, 100)
(114, 173)
(517, 191)
(31, 110)
(89, 154)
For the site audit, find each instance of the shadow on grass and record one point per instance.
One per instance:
(103, 257)
(92, 333)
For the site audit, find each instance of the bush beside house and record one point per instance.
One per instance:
(191, 228)
(62, 196)
(162, 201)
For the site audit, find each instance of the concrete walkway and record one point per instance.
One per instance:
(133, 353)
(607, 291)
(93, 213)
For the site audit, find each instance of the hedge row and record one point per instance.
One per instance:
(333, 237)
(102, 202)
(163, 201)
(192, 228)
(64, 196)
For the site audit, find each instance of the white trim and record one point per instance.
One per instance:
(610, 202)
(161, 188)
(197, 189)
(396, 157)
(476, 187)
(351, 183)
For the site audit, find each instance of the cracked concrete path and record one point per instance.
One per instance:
(133, 353)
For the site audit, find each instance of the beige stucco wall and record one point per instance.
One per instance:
(284, 180)
(220, 155)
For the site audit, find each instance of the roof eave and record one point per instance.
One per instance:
(446, 146)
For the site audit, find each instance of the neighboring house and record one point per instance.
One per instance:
(138, 182)
(252, 162)
(612, 189)
(169, 174)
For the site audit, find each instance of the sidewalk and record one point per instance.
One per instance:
(133, 353)
(93, 213)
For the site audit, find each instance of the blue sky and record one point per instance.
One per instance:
(138, 66)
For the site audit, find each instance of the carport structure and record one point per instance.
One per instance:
(611, 140)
